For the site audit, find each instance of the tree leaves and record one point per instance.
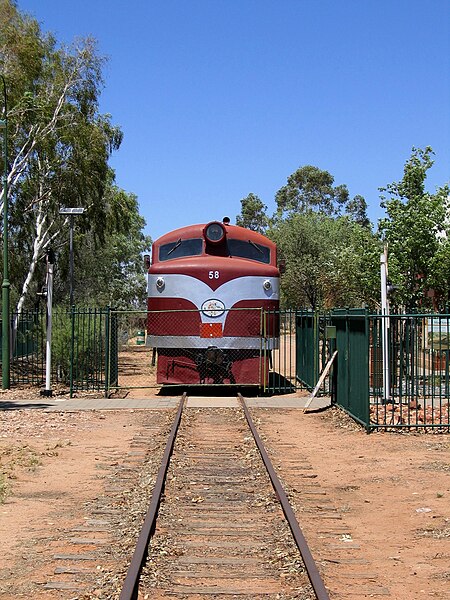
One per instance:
(310, 188)
(59, 143)
(330, 261)
(253, 214)
(416, 230)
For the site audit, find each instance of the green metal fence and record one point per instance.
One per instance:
(273, 348)
(315, 343)
(406, 384)
(79, 348)
(307, 348)
(26, 364)
(351, 369)
(408, 388)
(282, 376)
(98, 349)
(88, 340)
(411, 387)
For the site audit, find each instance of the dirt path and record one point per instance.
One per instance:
(65, 479)
(377, 514)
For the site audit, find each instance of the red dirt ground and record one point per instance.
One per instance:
(391, 490)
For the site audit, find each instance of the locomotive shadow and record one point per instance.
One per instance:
(278, 385)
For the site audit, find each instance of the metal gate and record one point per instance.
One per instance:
(352, 363)
(145, 347)
(307, 348)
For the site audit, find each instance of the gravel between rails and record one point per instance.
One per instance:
(221, 531)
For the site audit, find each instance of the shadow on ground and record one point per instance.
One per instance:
(11, 405)
(278, 385)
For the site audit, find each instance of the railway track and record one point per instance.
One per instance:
(219, 520)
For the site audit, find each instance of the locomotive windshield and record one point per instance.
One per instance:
(180, 248)
(249, 249)
(233, 247)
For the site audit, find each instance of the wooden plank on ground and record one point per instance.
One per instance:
(321, 380)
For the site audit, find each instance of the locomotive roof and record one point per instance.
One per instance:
(234, 231)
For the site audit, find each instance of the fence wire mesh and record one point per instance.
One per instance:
(189, 347)
(78, 348)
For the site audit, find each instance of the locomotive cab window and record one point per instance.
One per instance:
(181, 248)
(249, 249)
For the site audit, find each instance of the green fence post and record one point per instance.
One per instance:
(316, 348)
(107, 349)
(72, 348)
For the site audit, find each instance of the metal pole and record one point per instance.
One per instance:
(385, 327)
(71, 212)
(48, 344)
(71, 259)
(6, 358)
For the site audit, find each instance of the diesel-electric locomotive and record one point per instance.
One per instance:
(213, 297)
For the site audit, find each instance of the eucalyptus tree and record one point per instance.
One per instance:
(109, 271)
(330, 261)
(310, 188)
(326, 240)
(59, 142)
(253, 214)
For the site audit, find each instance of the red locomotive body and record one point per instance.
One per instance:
(213, 297)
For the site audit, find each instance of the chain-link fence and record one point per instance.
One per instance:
(236, 347)
(111, 351)
(213, 347)
(403, 382)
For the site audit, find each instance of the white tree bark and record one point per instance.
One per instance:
(17, 172)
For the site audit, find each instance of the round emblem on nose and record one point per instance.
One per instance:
(213, 308)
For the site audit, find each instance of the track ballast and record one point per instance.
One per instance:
(221, 531)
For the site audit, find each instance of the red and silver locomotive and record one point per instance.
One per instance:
(213, 297)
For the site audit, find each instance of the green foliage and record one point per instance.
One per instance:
(253, 214)
(330, 261)
(87, 344)
(110, 272)
(356, 209)
(416, 231)
(59, 147)
(310, 188)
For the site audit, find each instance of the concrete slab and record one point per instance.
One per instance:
(200, 402)
(164, 402)
(115, 404)
(289, 402)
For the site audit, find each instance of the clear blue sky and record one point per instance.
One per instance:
(220, 98)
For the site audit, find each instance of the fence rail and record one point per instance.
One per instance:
(406, 384)
(415, 389)
(79, 348)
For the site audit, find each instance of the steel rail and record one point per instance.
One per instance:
(310, 565)
(131, 583)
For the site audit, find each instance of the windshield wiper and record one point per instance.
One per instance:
(177, 244)
(255, 246)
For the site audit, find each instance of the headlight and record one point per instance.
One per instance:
(214, 232)
(160, 283)
(267, 285)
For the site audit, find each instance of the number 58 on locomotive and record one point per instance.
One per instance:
(213, 301)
